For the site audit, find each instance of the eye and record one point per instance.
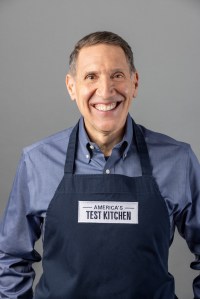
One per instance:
(90, 76)
(118, 75)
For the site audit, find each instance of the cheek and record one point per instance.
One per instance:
(85, 93)
(126, 90)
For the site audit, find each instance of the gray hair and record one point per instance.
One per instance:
(101, 37)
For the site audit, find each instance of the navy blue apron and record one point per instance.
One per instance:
(106, 236)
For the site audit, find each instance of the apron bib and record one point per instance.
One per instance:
(106, 236)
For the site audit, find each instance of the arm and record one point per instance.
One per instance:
(19, 230)
(188, 220)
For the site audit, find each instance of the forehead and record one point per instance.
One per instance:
(101, 55)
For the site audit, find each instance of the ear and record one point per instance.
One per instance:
(70, 83)
(135, 84)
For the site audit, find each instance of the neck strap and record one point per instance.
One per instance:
(138, 139)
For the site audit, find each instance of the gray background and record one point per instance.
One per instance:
(36, 38)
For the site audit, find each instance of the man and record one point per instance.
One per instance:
(105, 194)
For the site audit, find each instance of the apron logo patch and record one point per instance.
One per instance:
(108, 212)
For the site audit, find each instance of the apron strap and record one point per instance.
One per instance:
(140, 144)
(71, 150)
(142, 150)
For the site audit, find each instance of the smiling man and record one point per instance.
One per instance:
(105, 194)
(103, 87)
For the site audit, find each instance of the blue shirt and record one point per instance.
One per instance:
(175, 168)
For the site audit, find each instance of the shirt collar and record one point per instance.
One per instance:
(123, 145)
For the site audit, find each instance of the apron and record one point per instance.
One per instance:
(106, 236)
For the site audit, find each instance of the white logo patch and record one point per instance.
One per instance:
(108, 212)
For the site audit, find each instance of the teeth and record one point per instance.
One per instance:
(103, 107)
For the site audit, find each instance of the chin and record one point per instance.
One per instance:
(108, 127)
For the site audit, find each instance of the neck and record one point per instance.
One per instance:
(106, 140)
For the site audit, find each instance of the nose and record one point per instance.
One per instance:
(105, 87)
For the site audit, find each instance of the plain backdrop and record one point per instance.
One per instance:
(36, 38)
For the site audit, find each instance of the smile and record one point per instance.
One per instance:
(108, 107)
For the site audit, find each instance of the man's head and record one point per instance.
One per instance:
(101, 37)
(103, 81)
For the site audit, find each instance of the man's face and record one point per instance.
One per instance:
(103, 88)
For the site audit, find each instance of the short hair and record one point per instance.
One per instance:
(101, 37)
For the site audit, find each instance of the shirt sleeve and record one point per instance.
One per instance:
(188, 220)
(19, 230)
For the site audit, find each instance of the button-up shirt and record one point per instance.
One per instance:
(175, 169)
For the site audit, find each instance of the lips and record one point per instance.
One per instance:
(106, 107)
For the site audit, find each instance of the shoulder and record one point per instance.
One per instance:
(165, 148)
(160, 139)
(54, 143)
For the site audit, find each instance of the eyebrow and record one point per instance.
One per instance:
(97, 72)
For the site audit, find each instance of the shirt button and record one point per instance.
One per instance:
(107, 171)
(87, 156)
(92, 147)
